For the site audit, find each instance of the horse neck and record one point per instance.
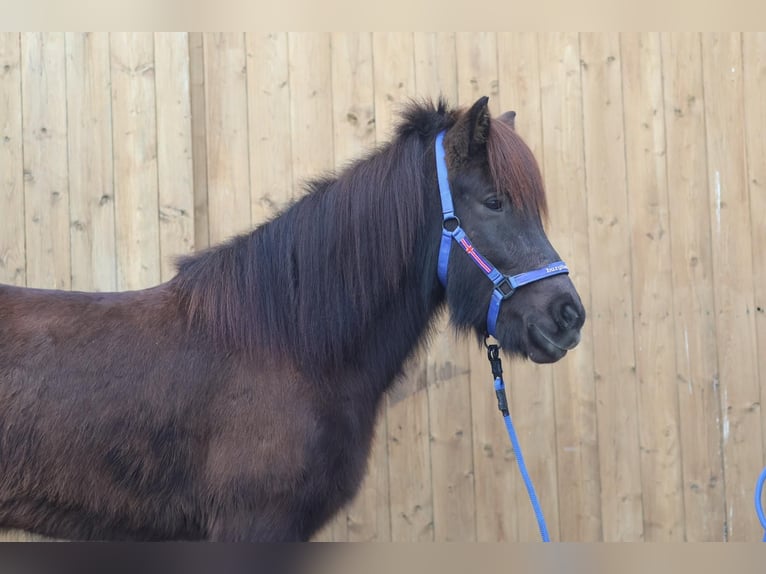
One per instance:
(366, 283)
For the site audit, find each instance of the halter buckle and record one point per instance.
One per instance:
(505, 288)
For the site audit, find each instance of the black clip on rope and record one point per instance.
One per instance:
(493, 354)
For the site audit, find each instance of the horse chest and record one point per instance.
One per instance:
(340, 448)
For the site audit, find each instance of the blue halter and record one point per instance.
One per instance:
(505, 285)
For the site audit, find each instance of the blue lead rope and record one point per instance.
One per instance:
(493, 355)
(758, 503)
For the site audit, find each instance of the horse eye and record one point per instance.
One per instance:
(494, 204)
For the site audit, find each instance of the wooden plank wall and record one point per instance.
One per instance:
(119, 152)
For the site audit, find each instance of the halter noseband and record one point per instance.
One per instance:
(505, 285)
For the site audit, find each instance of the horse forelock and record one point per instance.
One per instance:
(514, 170)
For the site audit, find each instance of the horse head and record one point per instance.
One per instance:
(499, 203)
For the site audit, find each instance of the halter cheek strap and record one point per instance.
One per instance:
(505, 285)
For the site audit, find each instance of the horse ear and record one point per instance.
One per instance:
(509, 118)
(468, 137)
(478, 117)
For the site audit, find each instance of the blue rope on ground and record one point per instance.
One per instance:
(500, 387)
(758, 503)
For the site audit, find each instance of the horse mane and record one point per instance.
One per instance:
(314, 272)
(320, 269)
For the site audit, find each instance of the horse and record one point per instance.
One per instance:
(237, 401)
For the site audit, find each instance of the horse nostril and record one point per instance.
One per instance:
(569, 313)
(570, 317)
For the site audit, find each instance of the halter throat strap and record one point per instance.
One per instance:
(505, 285)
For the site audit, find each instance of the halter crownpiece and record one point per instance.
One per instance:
(505, 285)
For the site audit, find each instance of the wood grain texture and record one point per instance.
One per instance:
(732, 252)
(134, 144)
(653, 320)
(46, 185)
(353, 97)
(611, 306)
(754, 70)
(692, 275)
(310, 106)
(226, 130)
(13, 262)
(199, 138)
(175, 171)
(91, 174)
(268, 104)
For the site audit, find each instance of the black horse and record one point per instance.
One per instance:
(237, 401)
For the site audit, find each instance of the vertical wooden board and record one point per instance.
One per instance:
(46, 186)
(692, 276)
(353, 96)
(612, 312)
(12, 251)
(451, 437)
(91, 178)
(579, 482)
(436, 66)
(134, 144)
(449, 392)
(493, 458)
(368, 515)
(409, 458)
(174, 149)
(477, 72)
(268, 96)
(653, 322)
(226, 126)
(199, 138)
(519, 85)
(531, 385)
(353, 115)
(394, 77)
(754, 67)
(310, 106)
(733, 279)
